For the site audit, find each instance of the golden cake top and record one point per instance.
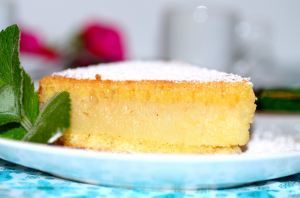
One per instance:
(149, 70)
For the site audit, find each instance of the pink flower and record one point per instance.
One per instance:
(103, 42)
(31, 44)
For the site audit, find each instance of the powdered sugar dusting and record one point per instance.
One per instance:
(267, 141)
(150, 70)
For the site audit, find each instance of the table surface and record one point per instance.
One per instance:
(18, 181)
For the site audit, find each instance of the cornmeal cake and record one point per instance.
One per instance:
(164, 107)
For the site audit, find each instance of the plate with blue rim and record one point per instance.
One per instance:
(154, 171)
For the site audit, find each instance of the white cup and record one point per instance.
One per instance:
(201, 35)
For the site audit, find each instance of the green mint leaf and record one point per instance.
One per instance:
(12, 131)
(54, 117)
(10, 75)
(30, 100)
(9, 110)
(20, 117)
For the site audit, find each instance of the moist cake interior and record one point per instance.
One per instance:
(165, 107)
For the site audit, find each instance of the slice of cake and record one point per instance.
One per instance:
(164, 107)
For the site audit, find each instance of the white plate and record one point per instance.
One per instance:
(157, 170)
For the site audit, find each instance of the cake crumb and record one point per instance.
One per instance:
(98, 77)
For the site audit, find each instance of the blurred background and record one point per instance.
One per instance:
(254, 38)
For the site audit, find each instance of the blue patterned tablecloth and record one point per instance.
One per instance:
(18, 181)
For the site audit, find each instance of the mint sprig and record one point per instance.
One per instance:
(10, 76)
(20, 116)
(53, 117)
